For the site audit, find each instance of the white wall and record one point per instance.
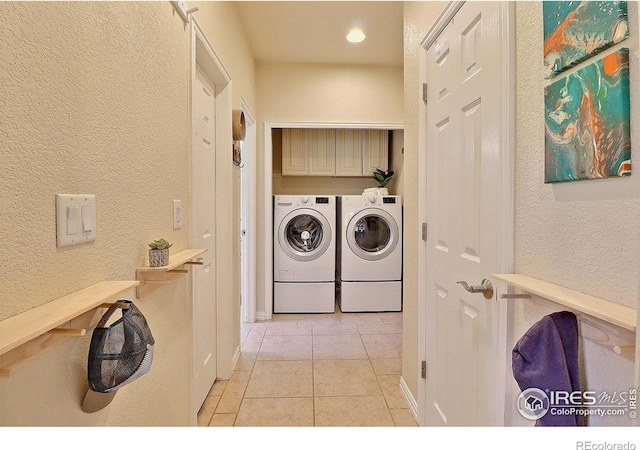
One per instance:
(583, 235)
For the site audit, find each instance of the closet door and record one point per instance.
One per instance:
(295, 151)
(349, 153)
(375, 151)
(322, 150)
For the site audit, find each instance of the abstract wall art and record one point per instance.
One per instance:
(575, 31)
(587, 132)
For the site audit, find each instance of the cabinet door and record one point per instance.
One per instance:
(295, 151)
(322, 150)
(349, 153)
(375, 151)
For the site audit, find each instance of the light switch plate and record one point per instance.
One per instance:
(177, 214)
(85, 216)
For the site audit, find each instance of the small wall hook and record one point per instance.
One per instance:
(181, 9)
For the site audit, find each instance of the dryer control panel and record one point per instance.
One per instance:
(372, 200)
(304, 200)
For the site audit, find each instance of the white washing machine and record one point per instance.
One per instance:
(370, 253)
(304, 253)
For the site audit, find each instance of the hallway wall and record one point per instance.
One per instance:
(95, 103)
(583, 235)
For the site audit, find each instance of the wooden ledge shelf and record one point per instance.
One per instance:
(151, 278)
(26, 335)
(602, 321)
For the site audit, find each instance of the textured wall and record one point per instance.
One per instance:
(396, 162)
(94, 101)
(418, 19)
(582, 235)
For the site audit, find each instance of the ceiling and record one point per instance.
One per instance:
(315, 31)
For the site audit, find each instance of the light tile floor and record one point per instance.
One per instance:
(323, 370)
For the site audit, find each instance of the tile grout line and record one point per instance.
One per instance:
(249, 379)
(313, 380)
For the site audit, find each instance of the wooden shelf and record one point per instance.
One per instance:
(151, 278)
(26, 335)
(620, 315)
(602, 321)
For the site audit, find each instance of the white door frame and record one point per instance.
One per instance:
(505, 206)
(202, 53)
(268, 192)
(248, 206)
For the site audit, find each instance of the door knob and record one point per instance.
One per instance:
(486, 288)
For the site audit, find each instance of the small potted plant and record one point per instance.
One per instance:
(383, 177)
(159, 253)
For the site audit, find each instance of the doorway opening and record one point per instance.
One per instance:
(266, 299)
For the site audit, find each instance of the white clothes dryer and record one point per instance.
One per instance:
(304, 253)
(370, 253)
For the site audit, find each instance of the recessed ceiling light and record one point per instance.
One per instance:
(355, 35)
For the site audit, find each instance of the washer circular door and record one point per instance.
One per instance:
(372, 234)
(304, 234)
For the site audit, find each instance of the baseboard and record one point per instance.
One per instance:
(236, 357)
(411, 401)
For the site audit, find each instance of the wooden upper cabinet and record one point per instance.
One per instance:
(295, 151)
(348, 153)
(334, 153)
(375, 151)
(322, 152)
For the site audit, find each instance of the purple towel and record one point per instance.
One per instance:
(546, 357)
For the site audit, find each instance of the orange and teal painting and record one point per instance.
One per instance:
(587, 132)
(576, 31)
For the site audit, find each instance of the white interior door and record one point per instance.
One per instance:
(204, 227)
(466, 152)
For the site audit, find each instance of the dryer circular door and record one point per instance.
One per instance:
(304, 234)
(372, 234)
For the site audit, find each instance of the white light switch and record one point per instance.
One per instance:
(72, 219)
(177, 214)
(87, 218)
(75, 219)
